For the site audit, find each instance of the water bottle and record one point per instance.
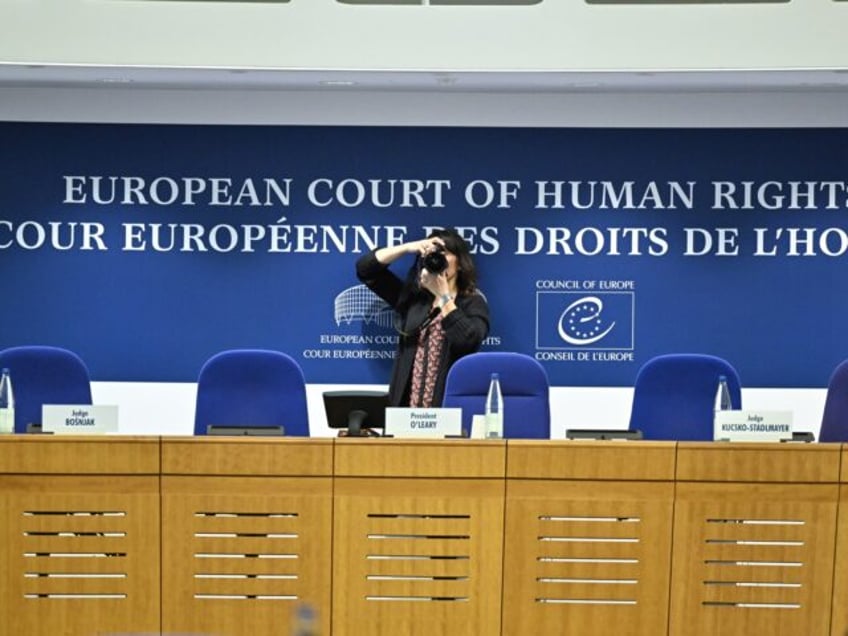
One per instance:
(722, 398)
(494, 409)
(7, 403)
(305, 621)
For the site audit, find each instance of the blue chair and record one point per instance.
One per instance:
(252, 387)
(674, 396)
(44, 375)
(524, 385)
(834, 426)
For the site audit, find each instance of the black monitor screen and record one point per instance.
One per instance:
(356, 411)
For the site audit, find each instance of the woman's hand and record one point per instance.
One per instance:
(425, 246)
(436, 284)
(390, 254)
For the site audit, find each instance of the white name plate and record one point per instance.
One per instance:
(752, 426)
(79, 419)
(423, 423)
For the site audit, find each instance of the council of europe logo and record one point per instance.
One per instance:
(580, 320)
(358, 303)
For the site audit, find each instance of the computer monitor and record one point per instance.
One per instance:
(356, 411)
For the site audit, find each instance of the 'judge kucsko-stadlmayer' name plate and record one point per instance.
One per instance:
(752, 426)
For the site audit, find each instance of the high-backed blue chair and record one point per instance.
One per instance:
(834, 426)
(44, 375)
(524, 385)
(674, 396)
(252, 387)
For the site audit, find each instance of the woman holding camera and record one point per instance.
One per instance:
(441, 316)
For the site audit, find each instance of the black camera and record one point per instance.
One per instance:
(435, 261)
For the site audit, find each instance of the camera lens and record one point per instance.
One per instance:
(435, 262)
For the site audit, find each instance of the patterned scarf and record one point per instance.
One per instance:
(425, 369)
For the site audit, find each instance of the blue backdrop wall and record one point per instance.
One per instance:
(147, 248)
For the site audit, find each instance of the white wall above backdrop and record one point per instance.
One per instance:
(547, 35)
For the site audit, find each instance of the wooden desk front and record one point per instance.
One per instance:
(588, 537)
(419, 537)
(754, 530)
(839, 621)
(247, 530)
(80, 535)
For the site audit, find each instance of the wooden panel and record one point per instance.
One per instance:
(739, 462)
(585, 554)
(241, 553)
(80, 555)
(753, 559)
(843, 474)
(619, 460)
(419, 557)
(60, 454)
(419, 458)
(213, 455)
(251, 533)
(839, 622)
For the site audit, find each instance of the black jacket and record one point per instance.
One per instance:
(465, 328)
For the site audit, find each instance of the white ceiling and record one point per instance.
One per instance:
(20, 75)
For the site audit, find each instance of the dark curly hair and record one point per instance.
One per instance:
(466, 272)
